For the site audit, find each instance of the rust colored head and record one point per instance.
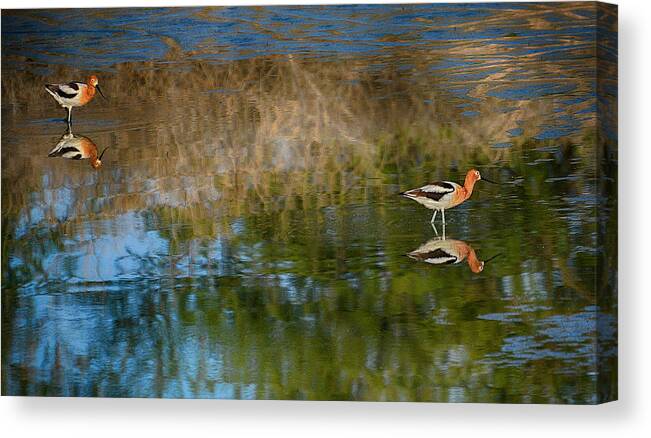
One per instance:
(93, 83)
(474, 263)
(472, 176)
(96, 162)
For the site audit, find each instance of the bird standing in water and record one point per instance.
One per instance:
(442, 195)
(74, 94)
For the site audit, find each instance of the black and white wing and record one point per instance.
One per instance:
(68, 147)
(65, 91)
(437, 252)
(437, 257)
(434, 191)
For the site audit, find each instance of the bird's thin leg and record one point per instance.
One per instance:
(435, 230)
(69, 116)
(443, 214)
(434, 217)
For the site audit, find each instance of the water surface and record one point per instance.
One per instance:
(244, 237)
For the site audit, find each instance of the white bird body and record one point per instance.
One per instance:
(436, 196)
(67, 95)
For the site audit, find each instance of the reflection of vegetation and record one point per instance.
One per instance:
(277, 265)
(288, 289)
(260, 131)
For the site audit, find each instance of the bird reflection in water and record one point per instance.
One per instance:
(439, 251)
(77, 147)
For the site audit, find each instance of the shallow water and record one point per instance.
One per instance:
(244, 237)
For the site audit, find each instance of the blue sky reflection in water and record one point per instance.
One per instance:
(244, 237)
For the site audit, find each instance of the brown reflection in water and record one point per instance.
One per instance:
(438, 251)
(77, 147)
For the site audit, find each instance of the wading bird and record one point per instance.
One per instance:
(442, 195)
(74, 94)
(77, 147)
(448, 252)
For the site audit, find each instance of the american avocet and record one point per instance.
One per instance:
(448, 252)
(77, 147)
(74, 94)
(442, 195)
